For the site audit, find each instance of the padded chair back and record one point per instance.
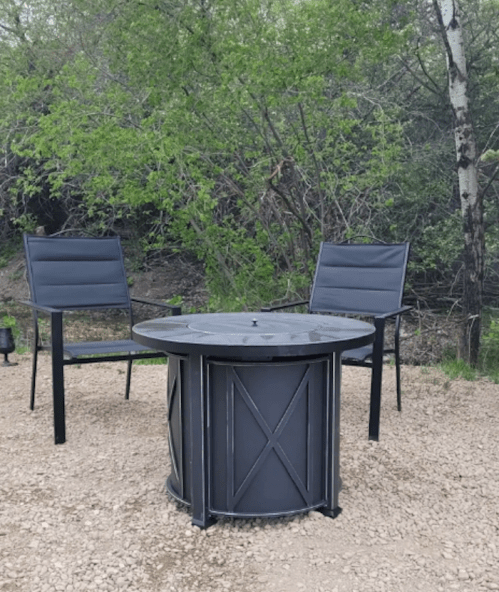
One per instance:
(76, 272)
(363, 279)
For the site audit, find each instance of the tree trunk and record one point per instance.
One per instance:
(471, 199)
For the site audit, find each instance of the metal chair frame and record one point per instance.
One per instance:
(356, 270)
(48, 253)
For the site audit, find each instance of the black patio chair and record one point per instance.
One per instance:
(364, 280)
(79, 273)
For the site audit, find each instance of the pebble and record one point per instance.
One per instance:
(92, 514)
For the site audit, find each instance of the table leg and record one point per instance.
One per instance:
(332, 508)
(196, 387)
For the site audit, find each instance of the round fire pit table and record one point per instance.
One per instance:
(254, 410)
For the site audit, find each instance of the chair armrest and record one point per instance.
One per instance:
(56, 331)
(176, 310)
(394, 313)
(41, 307)
(281, 306)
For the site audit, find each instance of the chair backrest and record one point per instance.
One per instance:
(359, 278)
(76, 272)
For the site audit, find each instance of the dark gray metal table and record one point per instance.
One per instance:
(254, 410)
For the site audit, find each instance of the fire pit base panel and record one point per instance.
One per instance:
(267, 437)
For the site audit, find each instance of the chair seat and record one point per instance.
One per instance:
(360, 354)
(88, 348)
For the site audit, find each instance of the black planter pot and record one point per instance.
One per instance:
(7, 344)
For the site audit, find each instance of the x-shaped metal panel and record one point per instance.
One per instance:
(233, 495)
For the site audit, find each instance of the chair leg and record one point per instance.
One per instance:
(399, 390)
(33, 376)
(376, 379)
(58, 378)
(36, 337)
(128, 378)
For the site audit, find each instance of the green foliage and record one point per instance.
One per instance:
(245, 132)
(455, 368)
(175, 301)
(243, 129)
(489, 354)
(9, 251)
(490, 156)
(8, 321)
(152, 362)
(488, 364)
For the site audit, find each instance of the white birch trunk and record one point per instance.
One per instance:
(458, 93)
(471, 199)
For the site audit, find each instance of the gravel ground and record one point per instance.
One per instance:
(420, 507)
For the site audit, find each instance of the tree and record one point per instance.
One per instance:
(246, 131)
(246, 127)
(466, 163)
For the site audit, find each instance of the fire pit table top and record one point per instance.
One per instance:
(247, 335)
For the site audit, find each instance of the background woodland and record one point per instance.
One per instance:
(245, 132)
